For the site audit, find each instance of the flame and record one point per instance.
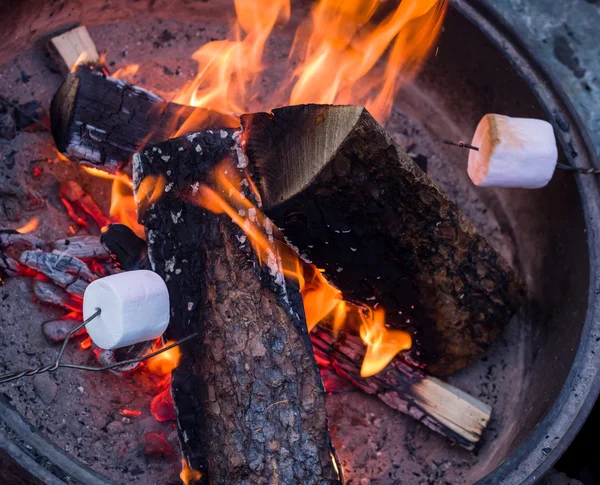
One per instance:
(382, 344)
(342, 48)
(81, 59)
(32, 225)
(228, 69)
(337, 52)
(165, 362)
(125, 72)
(188, 475)
(124, 206)
(322, 301)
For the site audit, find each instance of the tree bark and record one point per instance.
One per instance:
(356, 205)
(249, 397)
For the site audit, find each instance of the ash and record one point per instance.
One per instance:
(79, 411)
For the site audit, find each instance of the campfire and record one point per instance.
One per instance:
(302, 250)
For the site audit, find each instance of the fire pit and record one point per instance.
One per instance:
(97, 428)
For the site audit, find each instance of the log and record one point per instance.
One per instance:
(441, 407)
(100, 121)
(82, 247)
(438, 405)
(356, 205)
(250, 400)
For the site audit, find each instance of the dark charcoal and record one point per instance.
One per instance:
(129, 251)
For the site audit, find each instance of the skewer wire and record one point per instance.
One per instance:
(58, 362)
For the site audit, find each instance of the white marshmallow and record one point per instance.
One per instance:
(513, 152)
(134, 308)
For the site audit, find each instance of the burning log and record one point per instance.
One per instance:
(46, 291)
(101, 121)
(71, 194)
(439, 406)
(64, 270)
(82, 247)
(358, 206)
(250, 401)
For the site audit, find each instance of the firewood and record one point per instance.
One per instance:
(100, 121)
(82, 247)
(45, 291)
(74, 46)
(356, 205)
(441, 407)
(250, 400)
(341, 358)
(66, 271)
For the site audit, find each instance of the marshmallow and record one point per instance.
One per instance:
(134, 308)
(513, 152)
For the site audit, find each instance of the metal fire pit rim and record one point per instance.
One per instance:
(538, 453)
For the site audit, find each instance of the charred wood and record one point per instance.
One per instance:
(128, 250)
(64, 270)
(250, 400)
(82, 247)
(436, 404)
(56, 331)
(355, 204)
(101, 121)
(46, 291)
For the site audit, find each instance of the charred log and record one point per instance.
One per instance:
(434, 403)
(358, 206)
(101, 121)
(127, 250)
(82, 247)
(66, 271)
(250, 400)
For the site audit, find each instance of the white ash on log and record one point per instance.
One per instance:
(45, 291)
(100, 121)
(64, 270)
(355, 204)
(82, 247)
(250, 400)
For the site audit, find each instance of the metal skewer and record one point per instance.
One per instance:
(58, 364)
(560, 166)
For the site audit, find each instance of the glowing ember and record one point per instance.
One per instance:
(382, 344)
(86, 344)
(188, 475)
(165, 362)
(321, 299)
(32, 225)
(162, 406)
(130, 412)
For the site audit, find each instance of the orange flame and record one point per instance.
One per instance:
(382, 344)
(227, 69)
(337, 52)
(32, 225)
(126, 72)
(188, 475)
(343, 48)
(321, 299)
(165, 362)
(124, 206)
